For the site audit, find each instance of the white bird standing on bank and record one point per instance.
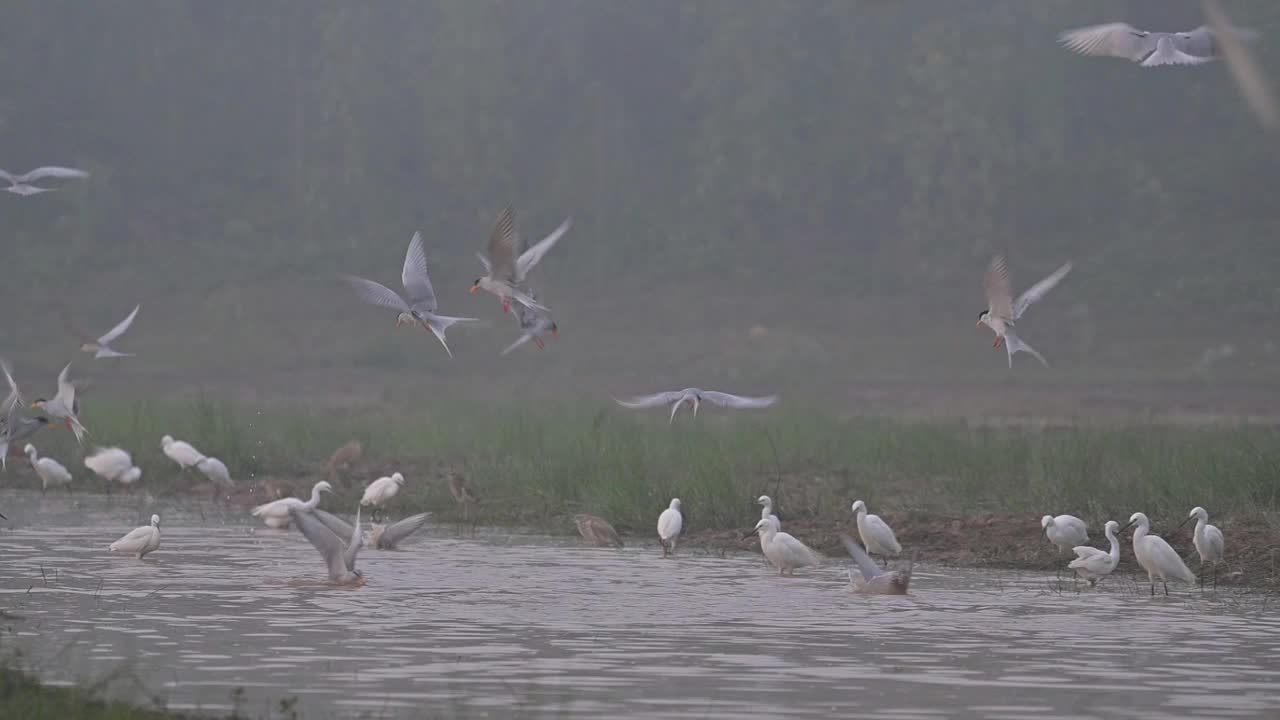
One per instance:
(140, 541)
(766, 508)
(783, 550)
(276, 514)
(420, 309)
(875, 581)
(1065, 531)
(51, 472)
(183, 453)
(63, 404)
(694, 397)
(1003, 311)
(876, 533)
(21, 184)
(1093, 564)
(506, 267)
(382, 490)
(340, 558)
(101, 348)
(113, 465)
(1208, 541)
(669, 524)
(1148, 49)
(1156, 556)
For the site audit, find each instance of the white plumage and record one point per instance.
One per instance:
(140, 541)
(876, 534)
(382, 490)
(1156, 556)
(784, 551)
(113, 465)
(1208, 541)
(1065, 531)
(1093, 564)
(216, 471)
(276, 513)
(669, 524)
(181, 452)
(51, 472)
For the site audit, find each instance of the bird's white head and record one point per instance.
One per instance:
(134, 474)
(1139, 519)
(166, 441)
(29, 449)
(1112, 527)
(984, 318)
(859, 506)
(675, 503)
(404, 318)
(763, 525)
(764, 500)
(397, 478)
(323, 486)
(1198, 512)
(1046, 521)
(155, 521)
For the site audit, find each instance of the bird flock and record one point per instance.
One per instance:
(508, 262)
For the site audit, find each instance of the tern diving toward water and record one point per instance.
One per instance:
(507, 265)
(340, 557)
(534, 324)
(381, 537)
(420, 309)
(694, 397)
(875, 581)
(1148, 49)
(21, 184)
(63, 405)
(101, 348)
(1003, 311)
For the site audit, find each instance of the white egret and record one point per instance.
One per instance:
(217, 472)
(51, 472)
(1093, 564)
(875, 581)
(340, 557)
(669, 524)
(783, 550)
(1156, 556)
(596, 529)
(113, 465)
(1065, 531)
(140, 541)
(1208, 541)
(766, 508)
(382, 490)
(276, 513)
(181, 452)
(876, 533)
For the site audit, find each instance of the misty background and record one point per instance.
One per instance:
(767, 196)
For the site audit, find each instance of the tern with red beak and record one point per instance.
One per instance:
(507, 265)
(1003, 311)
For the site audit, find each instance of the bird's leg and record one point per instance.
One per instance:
(999, 340)
(1153, 587)
(539, 343)
(1215, 577)
(886, 562)
(1166, 587)
(506, 304)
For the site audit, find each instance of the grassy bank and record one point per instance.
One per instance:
(22, 696)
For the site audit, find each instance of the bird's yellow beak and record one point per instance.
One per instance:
(35, 405)
(473, 289)
(978, 324)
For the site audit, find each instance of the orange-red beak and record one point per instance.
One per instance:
(473, 289)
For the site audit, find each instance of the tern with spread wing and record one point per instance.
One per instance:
(21, 184)
(506, 265)
(340, 557)
(1003, 311)
(63, 405)
(694, 397)
(1148, 49)
(534, 325)
(15, 426)
(381, 537)
(420, 308)
(875, 581)
(101, 348)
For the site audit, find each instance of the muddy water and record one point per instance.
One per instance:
(500, 625)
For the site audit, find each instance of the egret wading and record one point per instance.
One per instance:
(1156, 556)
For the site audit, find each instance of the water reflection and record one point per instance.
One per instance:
(498, 625)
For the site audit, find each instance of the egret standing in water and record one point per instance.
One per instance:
(1156, 556)
(140, 541)
(876, 533)
(782, 549)
(1093, 564)
(1065, 531)
(669, 524)
(382, 490)
(276, 513)
(1208, 542)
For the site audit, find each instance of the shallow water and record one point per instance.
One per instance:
(498, 625)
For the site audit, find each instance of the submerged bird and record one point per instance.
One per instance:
(140, 541)
(876, 533)
(534, 324)
(183, 453)
(506, 265)
(669, 524)
(1003, 311)
(783, 550)
(1207, 540)
(51, 472)
(277, 513)
(63, 405)
(420, 308)
(113, 465)
(1156, 556)
(1065, 531)
(875, 581)
(597, 530)
(381, 537)
(21, 184)
(1148, 49)
(694, 397)
(101, 348)
(382, 490)
(340, 557)
(1093, 564)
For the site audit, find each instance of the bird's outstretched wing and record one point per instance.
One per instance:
(503, 246)
(353, 547)
(415, 278)
(1038, 291)
(340, 527)
(1110, 40)
(738, 401)
(996, 285)
(398, 531)
(52, 171)
(868, 566)
(529, 258)
(322, 539)
(120, 329)
(648, 401)
(376, 293)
